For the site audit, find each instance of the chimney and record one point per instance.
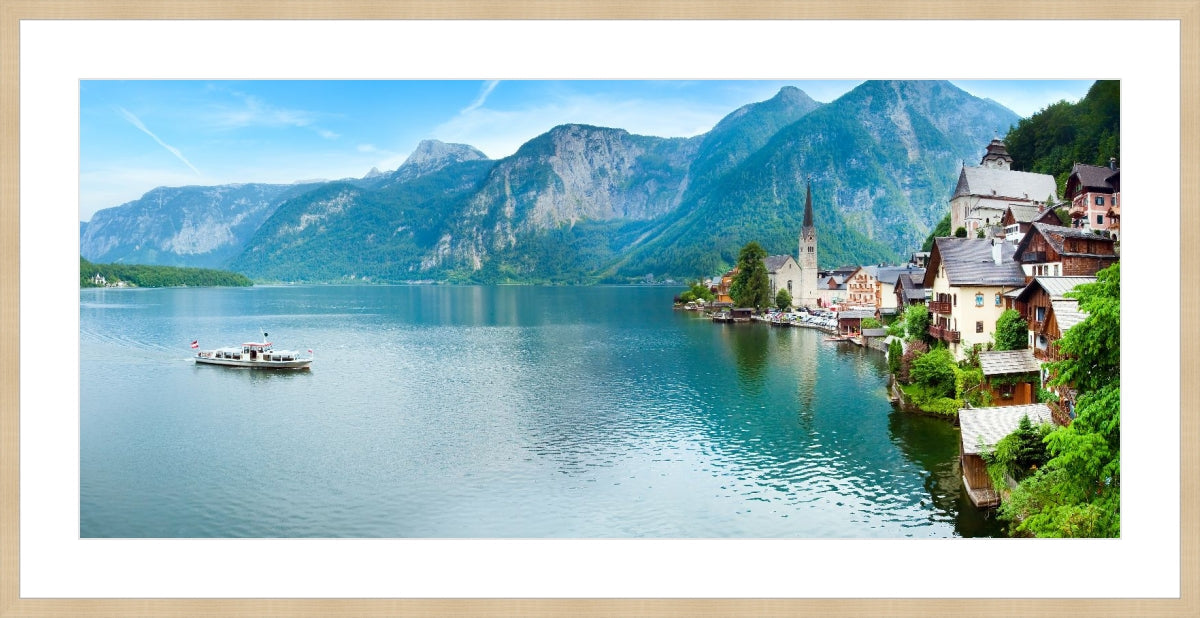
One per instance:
(996, 254)
(1112, 163)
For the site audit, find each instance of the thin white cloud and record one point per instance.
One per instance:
(487, 89)
(135, 121)
(327, 134)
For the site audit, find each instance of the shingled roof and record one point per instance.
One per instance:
(1025, 213)
(890, 274)
(1000, 183)
(1092, 176)
(1003, 362)
(1055, 234)
(982, 428)
(969, 262)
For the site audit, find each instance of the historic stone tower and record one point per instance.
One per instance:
(807, 259)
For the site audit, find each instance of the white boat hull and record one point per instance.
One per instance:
(255, 364)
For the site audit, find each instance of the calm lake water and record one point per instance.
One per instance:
(528, 412)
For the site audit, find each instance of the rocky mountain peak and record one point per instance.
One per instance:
(432, 155)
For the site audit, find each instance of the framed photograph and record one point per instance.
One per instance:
(510, 309)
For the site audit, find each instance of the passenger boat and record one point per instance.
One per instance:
(255, 355)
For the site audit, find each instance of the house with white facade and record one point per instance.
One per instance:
(967, 279)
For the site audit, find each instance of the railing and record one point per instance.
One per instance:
(1078, 211)
(936, 332)
(942, 307)
(952, 336)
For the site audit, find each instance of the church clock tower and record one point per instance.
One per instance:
(807, 259)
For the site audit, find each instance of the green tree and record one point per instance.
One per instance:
(1012, 333)
(895, 351)
(783, 299)
(751, 287)
(1078, 492)
(934, 372)
(961, 232)
(870, 323)
(917, 320)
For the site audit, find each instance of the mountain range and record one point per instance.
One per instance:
(582, 203)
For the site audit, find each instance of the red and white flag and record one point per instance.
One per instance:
(195, 344)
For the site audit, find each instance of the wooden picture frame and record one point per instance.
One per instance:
(1185, 12)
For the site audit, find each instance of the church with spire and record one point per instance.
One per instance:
(807, 257)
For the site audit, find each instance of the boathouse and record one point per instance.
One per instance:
(1010, 375)
(981, 429)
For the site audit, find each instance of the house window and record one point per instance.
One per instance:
(997, 299)
(1099, 200)
(1099, 219)
(1040, 314)
(789, 285)
(956, 300)
(979, 327)
(1056, 270)
(1006, 391)
(979, 299)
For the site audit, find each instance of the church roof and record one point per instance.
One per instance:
(776, 262)
(998, 183)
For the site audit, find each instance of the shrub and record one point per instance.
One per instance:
(912, 352)
(935, 372)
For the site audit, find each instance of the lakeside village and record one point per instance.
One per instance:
(977, 328)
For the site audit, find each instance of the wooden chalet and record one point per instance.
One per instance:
(1058, 251)
(1018, 219)
(910, 290)
(1050, 313)
(1010, 376)
(980, 430)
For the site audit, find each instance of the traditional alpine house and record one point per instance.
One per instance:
(1092, 190)
(1017, 220)
(910, 289)
(1050, 313)
(966, 279)
(1058, 251)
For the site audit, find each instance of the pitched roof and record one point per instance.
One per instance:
(889, 274)
(1057, 287)
(775, 262)
(1055, 234)
(969, 261)
(1001, 362)
(1024, 213)
(854, 314)
(808, 216)
(874, 332)
(993, 182)
(1067, 313)
(982, 428)
(1093, 176)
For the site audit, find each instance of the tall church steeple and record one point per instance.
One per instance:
(807, 259)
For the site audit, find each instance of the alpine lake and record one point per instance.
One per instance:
(495, 412)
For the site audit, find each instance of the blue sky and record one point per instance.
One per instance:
(137, 135)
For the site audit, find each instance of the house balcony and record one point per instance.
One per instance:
(945, 334)
(1033, 257)
(942, 307)
(1078, 210)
